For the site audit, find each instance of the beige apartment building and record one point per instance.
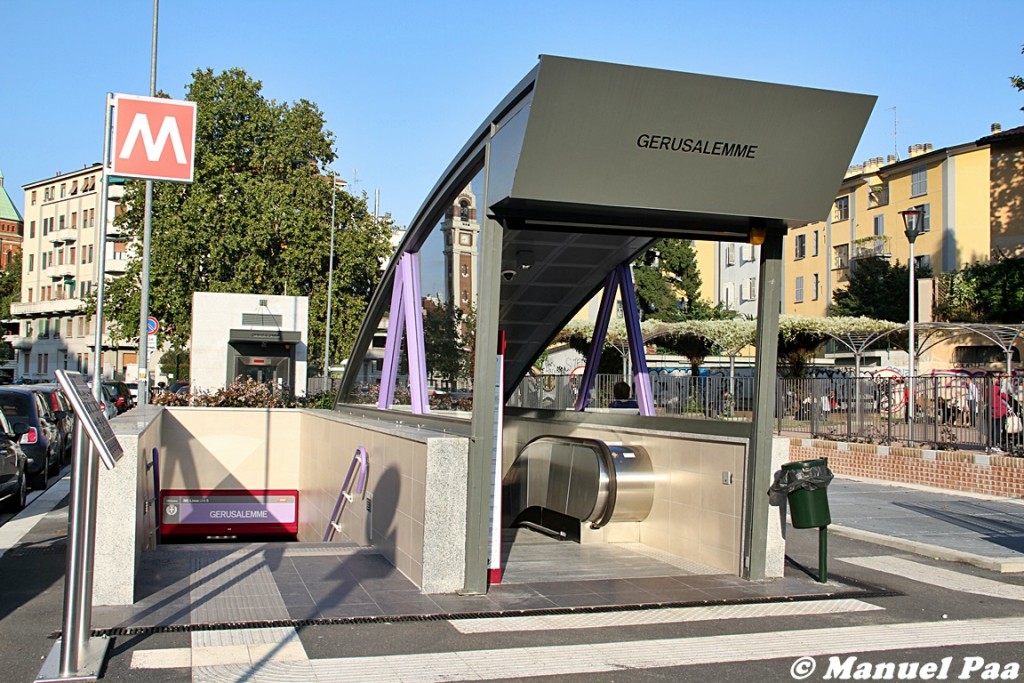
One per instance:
(60, 266)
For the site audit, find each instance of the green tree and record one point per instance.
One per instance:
(256, 219)
(668, 282)
(876, 289)
(989, 292)
(445, 340)
(10, 285)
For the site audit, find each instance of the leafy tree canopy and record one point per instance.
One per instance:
(990, 292)
(668, 282)
(257, 219)
(871, 291)
(1018, 81)
(10, 285)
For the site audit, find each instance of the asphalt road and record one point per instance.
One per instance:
(31, 596)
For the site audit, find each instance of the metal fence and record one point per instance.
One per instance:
(952, 410)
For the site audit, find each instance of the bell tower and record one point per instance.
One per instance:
(461, 234)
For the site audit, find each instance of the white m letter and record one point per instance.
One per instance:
(154, 148)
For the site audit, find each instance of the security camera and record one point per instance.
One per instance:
(508, 274)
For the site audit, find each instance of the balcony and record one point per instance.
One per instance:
(34, 308)
(875, 246)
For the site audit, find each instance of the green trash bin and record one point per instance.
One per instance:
(808, 504)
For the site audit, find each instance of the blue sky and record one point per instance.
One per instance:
(404, 84)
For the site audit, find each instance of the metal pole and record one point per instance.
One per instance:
(71, 644)
(330, 282)
(823, 554)
(101, 262)
(759, 463)
(147, 237)
(90, 485)
(910, 351)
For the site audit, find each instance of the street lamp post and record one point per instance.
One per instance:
(912, 222)
(330, 283)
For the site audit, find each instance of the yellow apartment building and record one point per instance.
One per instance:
(951, 187)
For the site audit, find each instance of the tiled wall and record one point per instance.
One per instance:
(695, 515)
(421, 533)
(415, 486)
(996, 475)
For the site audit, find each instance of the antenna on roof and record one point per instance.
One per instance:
(895, 123)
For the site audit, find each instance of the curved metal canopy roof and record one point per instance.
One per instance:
(586, 164)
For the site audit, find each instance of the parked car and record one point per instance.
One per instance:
(124, 401)
(109, 402)
(41, 440)
(13, 467)
(61, 412)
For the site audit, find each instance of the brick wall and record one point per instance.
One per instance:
(996, 475)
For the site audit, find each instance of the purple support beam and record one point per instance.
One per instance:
(604, 315)
(405, 314)
(414, 336)
(393, 345)
(637, 354)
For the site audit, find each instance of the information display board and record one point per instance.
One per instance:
(88, 411)
(190, 512)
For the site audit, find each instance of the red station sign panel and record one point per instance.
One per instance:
(154, 138)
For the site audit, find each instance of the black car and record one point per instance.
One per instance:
(60, 411)
(13, 468)
(124, 399)
(41, 440)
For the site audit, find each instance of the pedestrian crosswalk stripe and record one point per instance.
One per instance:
(660, 616)
(938, 576)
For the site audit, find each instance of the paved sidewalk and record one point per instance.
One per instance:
(980, 530)
(245, 586)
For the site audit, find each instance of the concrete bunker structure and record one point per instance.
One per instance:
(579, 169)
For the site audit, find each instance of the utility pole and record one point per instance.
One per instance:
(330, 282)
(147, 237)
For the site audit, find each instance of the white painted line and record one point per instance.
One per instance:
(168, 658)
(480, 665)
(1005, 565)
(937, 576)
(18, 527)
(659, 616)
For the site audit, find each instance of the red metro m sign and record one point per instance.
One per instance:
(154, 138)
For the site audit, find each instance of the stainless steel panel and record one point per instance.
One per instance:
(582, 479)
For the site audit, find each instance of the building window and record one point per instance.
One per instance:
(72, 256)
(878, 195)
(29, 295)
(814, 244)
(730, 255)
(92, 218)
(798, 290)
(841, 257)
(90, 254)
(60, 223)
(816, 283)
(879, 225)
(800, 244)
(31, 262)
(33, 197)
(31, 229)
(923, 262)
(63, 190)
(119, 248)
(842, 211)
(919, 181)
(926, 217)
(74, 220)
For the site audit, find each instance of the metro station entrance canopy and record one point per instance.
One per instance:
(582, 167)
